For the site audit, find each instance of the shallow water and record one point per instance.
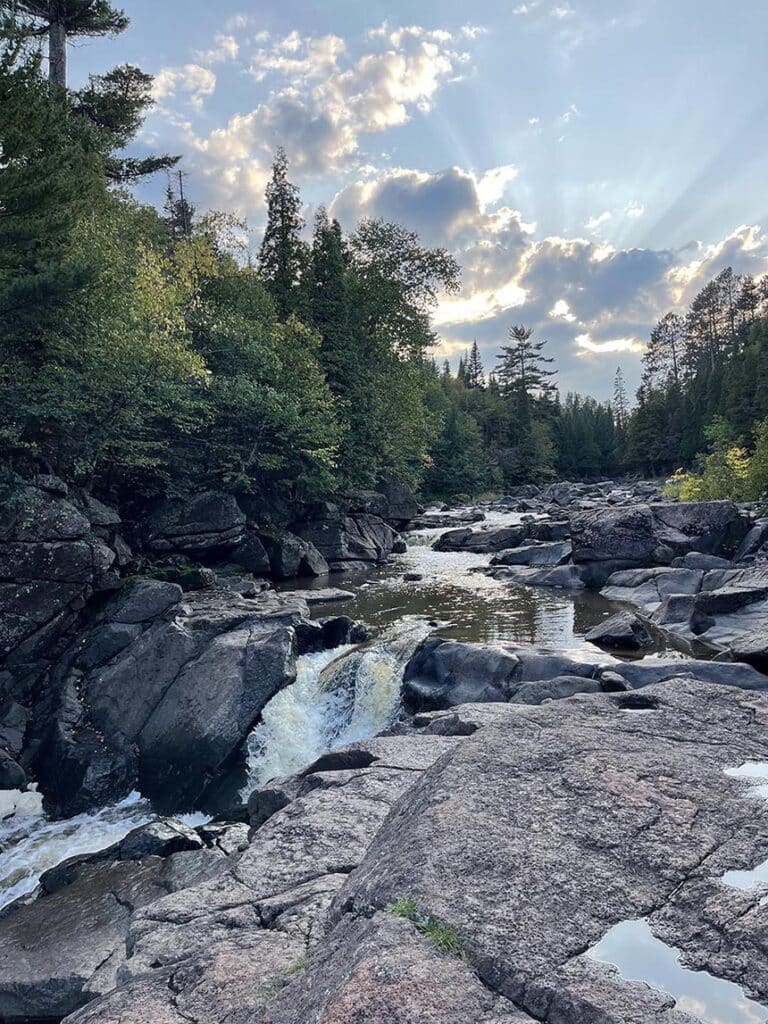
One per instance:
(470, 606)
(753, 771)
(640, 956)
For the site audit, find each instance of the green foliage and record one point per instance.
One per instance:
(442, 936)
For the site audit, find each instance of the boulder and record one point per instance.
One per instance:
(401, 505)
(251, 555)
(647, 588)
(622, 632)
(624, 535)
(207, 523)
(485, 541)
(291, 556)
(165, 709)
(442, 674)
(353, 538)
(562, 577)
(708, 527)
(544, 554)
(753, 649)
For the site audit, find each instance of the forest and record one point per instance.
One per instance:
(146, 352)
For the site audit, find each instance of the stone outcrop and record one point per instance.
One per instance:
(211, 522)
(460, 871)
(621, 632)
(160, 695)
(347, 540)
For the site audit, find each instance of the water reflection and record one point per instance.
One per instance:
(753, 771)
(639, 956)
(475, 607)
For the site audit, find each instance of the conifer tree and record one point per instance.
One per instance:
(62, 20)
(283, 256)
(474, 374)
(523, 372)
(620, 401)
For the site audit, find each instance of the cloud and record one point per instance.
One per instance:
(191, 80)
(594, 223)
(226, 48)
(320, 101)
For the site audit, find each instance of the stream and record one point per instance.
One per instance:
(342, 695)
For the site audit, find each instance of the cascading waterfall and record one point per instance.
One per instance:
(339, 697)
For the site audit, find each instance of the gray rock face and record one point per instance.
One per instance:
(487, 541)
(563, 577)
(226, 948)
(648, 535)
(545, 554)
(551, 824)
(50, 564)
(622, 632)
(446, 673)
(353, 538)
(291, 556)
(211, 521)
(161, 703)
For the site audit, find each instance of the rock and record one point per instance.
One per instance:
(548, 530)
(442, 674)
(142, 600)
(435, 521)
(554, 689)
(564, 577)
(291, 556)
(169, 710)
(413, 577)
(12, 775)
(50, 564)
(562, 493)
(251, 555)
(615, 535)
(342, 539)
(401, 505)
(753, 649)
(522, 491)
(647, 588)
(648, 671)
(201, 524)
(545, 554)
(535, 835)
(708, 527)
(485, 541)
(399, 547)
(753, 542)
(696, 560)
(382, 970)
(325, 595)
(623, 632)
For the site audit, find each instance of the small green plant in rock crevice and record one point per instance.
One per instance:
(442, 936)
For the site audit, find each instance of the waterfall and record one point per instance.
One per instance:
(339, 697)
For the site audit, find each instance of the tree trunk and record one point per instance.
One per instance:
(57, 53)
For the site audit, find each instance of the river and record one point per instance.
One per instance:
(343, 695)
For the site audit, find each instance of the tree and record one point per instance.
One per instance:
(51, 174)
(664, 356)
(62, 20)
(474, 374)
(179, 212)
(522, 372)
(283, 258)
(620, 401)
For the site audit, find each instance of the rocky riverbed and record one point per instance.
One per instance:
(497, 789)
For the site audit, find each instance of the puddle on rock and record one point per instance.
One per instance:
(635, 951)
(752, 771)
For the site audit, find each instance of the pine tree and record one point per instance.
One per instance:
(522, 372)
(283, 255)
(474, 374)
(664, 356)
(179, 212)
(62, 20)
(620, 401)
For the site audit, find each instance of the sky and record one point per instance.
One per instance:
(591, 163)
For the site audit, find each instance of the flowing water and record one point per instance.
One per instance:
(343, 695)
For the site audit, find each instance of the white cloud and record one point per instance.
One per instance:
(226, 48)
(595, 223)
(562, 311)
(634, 209)
(191, 80)
(585, 342)
(492, 185)
(562, 11)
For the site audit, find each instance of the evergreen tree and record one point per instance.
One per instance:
(179, 212)
(283, 258)
(523, 372)
(62, 20)
(474, 374)
(620, 401)
(665, 352)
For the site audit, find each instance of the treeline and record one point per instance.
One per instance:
(145, 352)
